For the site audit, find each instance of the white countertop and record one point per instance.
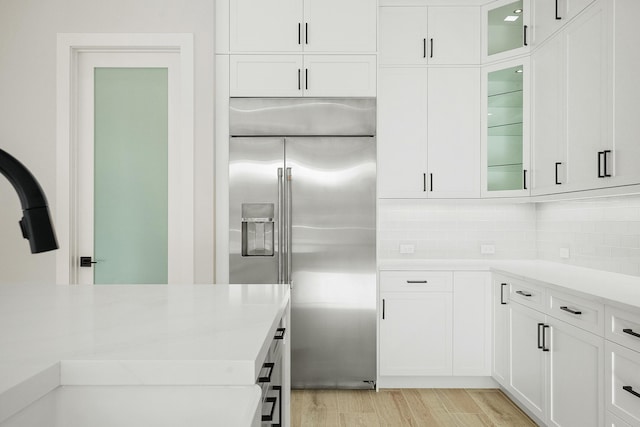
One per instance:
(619, 289)
(132, 335)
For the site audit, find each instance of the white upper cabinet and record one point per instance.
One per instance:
(265, 25)
(340, 25)
(507, 29)
(551, 15)
(266, 75)
(339, 75)
(429, 35)
(428, 133)
(302, 26)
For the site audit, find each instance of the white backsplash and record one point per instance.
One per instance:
(456, 229)
(600, 233)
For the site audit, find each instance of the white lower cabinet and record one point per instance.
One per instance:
(623, 382)
(553, 369)
(434, 323)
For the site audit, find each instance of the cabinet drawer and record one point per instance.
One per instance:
(416, 281)
(623, 327)
(526, 293)
(623, 382)
(585, 314)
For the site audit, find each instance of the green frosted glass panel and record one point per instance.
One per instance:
(504, 129)
(505, 28)
(130, 173)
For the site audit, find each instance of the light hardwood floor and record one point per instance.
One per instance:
(405, 407)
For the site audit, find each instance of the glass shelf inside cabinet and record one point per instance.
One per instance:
(504, 129)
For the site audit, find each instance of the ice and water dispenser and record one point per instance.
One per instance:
(257, 229)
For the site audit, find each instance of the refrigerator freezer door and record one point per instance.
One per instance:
(333, 264)
(253, 182)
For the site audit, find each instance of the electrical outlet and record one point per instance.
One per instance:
(564, 253)
(407, 249)
(487, 249)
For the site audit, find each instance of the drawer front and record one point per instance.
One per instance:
(623, 327)
(416, 281)
(623, 382)
(527, 294)
(585, 314)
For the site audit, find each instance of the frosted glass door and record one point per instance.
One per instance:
(130, 175)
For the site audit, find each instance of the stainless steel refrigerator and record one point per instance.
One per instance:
(302, 210)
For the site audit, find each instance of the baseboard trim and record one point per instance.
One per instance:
(436, 382)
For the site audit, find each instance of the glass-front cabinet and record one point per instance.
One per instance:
(507, 28)
(506, 154)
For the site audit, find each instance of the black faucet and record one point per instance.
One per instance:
(36, 223)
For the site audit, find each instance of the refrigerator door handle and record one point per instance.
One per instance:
(280, 227)
(289, 224)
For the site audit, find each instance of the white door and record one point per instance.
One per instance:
(415, 334)
(131, 166)
(548, 100)
(403, 35)
(453, 133)
(528, 360)
(576, 376)
(453, 35)
(340, 25)
(266, 25)
(402, 133)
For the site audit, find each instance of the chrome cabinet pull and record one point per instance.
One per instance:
(523, 293)
(568, 310)
(289, 224)
(630, 332)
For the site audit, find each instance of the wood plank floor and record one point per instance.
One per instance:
(405, 407)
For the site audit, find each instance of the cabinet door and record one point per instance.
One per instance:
(549, 142)
(453, 35)
(415, 334)
(471, 323)
(403, 35)
(576, 376)
(501, 332)
(528, 371)
(340, 25)
(546, 20)
(627, 93)
(339, 75)
(453, 137)
(265, 75)
(507, 29)
(402, 133)
(265, 25)
(589, 106)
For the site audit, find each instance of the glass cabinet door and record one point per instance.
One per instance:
(507, 29)
(506, 139)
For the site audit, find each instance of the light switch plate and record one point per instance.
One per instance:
(487, 249)
(407, 249)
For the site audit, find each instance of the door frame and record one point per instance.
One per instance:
(69, 47)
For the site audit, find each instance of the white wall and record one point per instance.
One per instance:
(28, 31)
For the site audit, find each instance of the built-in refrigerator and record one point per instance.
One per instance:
(302, 211)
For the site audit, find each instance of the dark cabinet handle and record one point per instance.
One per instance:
(267, 378)
(424, 48)
(86, 261)
(604, 155)
(524, 179)
(568, 310)
(431, 43)
(540, 326)
(273, 401)
(630, 332)
(600, 174)
(630, 390)
(502, 285)
(544, 337)
(383, 304)
(430, 182)
(424, 182)
(306, 33)
(523, 293)
(306, 79)
(299, 33)
(524, 29)
(557, 164)
(279, 334)
(299, 87)
(416, 281)
(557, 16)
